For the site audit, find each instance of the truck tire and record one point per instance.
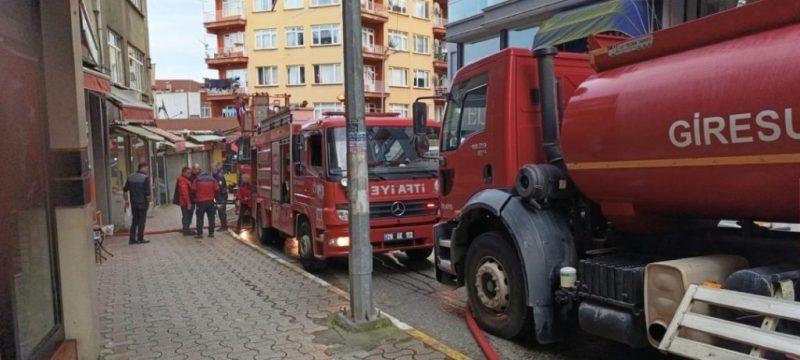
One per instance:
(496, 288)
(418, 254)
(259, 231)
(305, 242)
(265, 235)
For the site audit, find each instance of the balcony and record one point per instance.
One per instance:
(440, 61)
(229, 58)
(226, 19)
(374, 12)
(374, 52)
(375, 89)
(439, 25)
(226, 94)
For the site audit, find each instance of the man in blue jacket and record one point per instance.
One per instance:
(137, 196)
(222, 196)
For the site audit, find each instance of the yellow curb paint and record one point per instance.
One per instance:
(425, 338)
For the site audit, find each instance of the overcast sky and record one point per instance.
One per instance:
(176, 39)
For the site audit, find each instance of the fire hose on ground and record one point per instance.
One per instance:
(480, 337)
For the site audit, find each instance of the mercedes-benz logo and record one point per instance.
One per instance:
(398, 209)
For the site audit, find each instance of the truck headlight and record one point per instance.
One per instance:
(343, 182)
(343, 215)
(342, 241)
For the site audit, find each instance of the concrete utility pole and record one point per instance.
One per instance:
(361, 308)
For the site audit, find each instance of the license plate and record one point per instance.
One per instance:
(398, 236)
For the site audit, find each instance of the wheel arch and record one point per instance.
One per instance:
(541, 239)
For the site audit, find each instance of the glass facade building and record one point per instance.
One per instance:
(478, 28)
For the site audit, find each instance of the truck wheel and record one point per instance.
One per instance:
(419, 254)
(305, 242)
(495, 287)
(258, 229)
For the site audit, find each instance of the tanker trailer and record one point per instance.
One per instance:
(613, 215)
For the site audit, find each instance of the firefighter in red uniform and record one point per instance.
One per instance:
(245, 196)
(205, 187)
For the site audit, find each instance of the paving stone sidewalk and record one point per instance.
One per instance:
(183, 298)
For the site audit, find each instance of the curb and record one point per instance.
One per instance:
(411, 331)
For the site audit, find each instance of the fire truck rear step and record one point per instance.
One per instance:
(760, 339)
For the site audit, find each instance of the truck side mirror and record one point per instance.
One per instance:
(299, 169)
(420, 117)
(297, 147)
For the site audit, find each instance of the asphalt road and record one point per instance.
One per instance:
(409, 291)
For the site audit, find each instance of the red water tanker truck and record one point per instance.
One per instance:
(631, 190)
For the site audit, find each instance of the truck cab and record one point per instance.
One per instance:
(301, 178)
(492, 122)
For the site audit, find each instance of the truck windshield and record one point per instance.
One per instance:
(390, 152)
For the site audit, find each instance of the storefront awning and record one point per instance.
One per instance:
(629, 17)
(133, 108)
(95, 81)
(140, 132)
(163, 133)
(203, 138)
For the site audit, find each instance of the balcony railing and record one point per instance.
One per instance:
(372, 8)
(376, 87)
(231, 52)
(225, 15)
(374, 49)
(439, 22)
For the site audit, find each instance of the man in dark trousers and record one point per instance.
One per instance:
(205, 190)
(183, 198)
(245, 196)
(137, 196)
(222, 196)
(193, 175)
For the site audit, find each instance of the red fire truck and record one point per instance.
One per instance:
(300, 170)
(604, 199)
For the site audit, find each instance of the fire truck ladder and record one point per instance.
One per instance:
(760, 340)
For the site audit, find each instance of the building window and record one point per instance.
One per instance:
(421, 9)
(480, 49)
(398, 6)
(421, 44)
(238, 74)
(398, 40)
(295, 36)
(422, 79)
(321, 108)
(297, 74)
(368, 38)
(267, 75)
(522, 38)
(115, 58)
(266, 39)
(401, 109)
(324, 2)
(205, 110)
(328, 74)
(136, 78)
(326, 34)
(398, 77)
(292, 4)
(438, 113)
(263, 5)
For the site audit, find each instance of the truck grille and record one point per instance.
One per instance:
(400, 209)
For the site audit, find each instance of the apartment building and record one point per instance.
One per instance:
(295, 47)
